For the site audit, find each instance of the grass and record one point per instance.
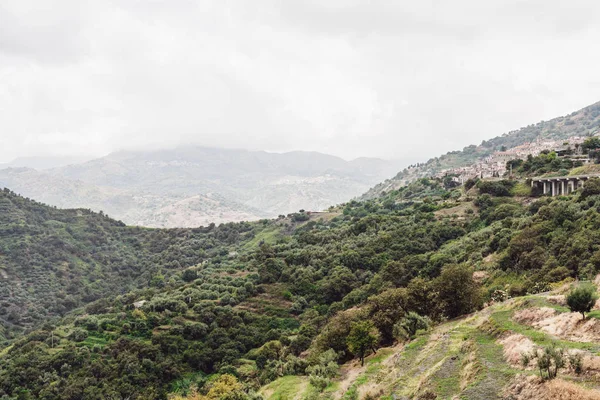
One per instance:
(374, 366)
(585, 169)
(270, 235)
(503, 320)
(284, 388)
(91, 341)
(495, 372)
(521, 190)
(5, 350)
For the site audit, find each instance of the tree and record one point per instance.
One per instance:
(363, 337)
(582, 299)
(386, 309)
(590, 188)
(423, 297)
(397, 273)
(189, 275)
(458, 293)
(591, 144)
(409, 325)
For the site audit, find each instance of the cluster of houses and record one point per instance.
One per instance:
(494, 165)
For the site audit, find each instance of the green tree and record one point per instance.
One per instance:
(363, 337)
(386, 309)
(582, 299)
(590, 188)
(591, 143)
(457, 292)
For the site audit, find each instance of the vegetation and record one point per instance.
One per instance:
(543, 163)
(585, 122)
(363, 337)
(185, 312)
(548, 361)
(582, 299)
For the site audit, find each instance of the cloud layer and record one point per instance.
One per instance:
(392, 79)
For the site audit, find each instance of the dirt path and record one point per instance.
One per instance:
(350, 374)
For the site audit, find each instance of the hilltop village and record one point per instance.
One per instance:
(494, 165)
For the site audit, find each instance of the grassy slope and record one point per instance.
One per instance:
(460, 359)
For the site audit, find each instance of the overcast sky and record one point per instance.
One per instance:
(392, 79)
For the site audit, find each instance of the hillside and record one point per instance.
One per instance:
(52, 260)
(193, 186)
(585, 122)
(474, 357)
(240, 306)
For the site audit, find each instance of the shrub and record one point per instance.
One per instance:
(576, 363)
(496, 188)
(548, 361)
(409, 325)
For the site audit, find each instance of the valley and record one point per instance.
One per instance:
(195, 186)
(434, 290)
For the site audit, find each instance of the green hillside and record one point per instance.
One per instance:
(52, 260)
(241, 305)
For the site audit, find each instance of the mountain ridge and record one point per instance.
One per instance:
(583, 122)
(199, 185)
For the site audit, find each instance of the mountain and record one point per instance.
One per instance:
(585, 122)
(193, 186)
(433, 290)
(279, 308)
(137, 208)
(41, 162)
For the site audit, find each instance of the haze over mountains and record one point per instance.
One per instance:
(193, 186)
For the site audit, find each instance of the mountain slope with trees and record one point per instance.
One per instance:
(253, 302)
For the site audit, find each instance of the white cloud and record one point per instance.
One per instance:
(354, 78)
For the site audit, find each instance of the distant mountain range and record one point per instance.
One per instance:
(43, 162)
(193, 186)
(585, 122)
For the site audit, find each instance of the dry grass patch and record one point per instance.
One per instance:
(571, 326)
(559, 300)
(480, 276)
(530, 316)
(470, 367)
(533, 388)
(568, 325)
(514, 345)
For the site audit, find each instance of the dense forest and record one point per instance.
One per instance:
(52, 261)
(219, 311)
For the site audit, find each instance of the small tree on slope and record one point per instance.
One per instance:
(364, 336)
(582, 299)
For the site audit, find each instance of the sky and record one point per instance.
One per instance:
(397, 79)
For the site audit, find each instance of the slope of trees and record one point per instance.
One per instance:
(52, 261)
(255, 305)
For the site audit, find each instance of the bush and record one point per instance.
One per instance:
(576, 363)
(496, 188)
(78, 335)
(548, 360)
(409, 325)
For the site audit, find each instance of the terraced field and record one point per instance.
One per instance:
(476, 357)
